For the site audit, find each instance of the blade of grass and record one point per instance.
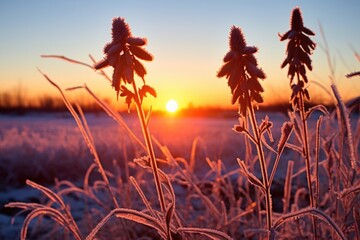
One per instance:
(67, 59)
(308, 211)
(88, 141)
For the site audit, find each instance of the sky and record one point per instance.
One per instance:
(187, 38)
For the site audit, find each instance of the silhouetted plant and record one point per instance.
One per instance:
(122, 54)
(298, 51)
(242, 71)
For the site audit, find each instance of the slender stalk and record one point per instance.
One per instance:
(317, 186)
(306, 150)
(263, 167)
(149, 147)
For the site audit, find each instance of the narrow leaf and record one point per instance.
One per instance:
(320, 108)
(142, 195)
(147, 89)
(287, 186)
(139, 68)
(286, 131)
(140, 53)
(211, 233)
(251, 177)
(344, 114)
(226, 69)
(353, 74)
(67, 59)
(53, 214)
(139, 217)
(229, 56)
(136, 41)
(309, 211)
(50, 194)
(101, 64)
(132, 215)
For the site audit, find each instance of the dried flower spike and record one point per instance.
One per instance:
(242, 71)
(298, 51)
(122, 53)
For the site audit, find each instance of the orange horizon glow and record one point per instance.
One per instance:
(190, 98)
(185, 65)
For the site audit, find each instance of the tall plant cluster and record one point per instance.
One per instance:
(298, 51)
(242, 71)
(218, 208)
(122, 54)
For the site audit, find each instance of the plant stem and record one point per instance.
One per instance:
(149, 147)
(306, 150)
(263, 167)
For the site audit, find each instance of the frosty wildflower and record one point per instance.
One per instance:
(242, 71)
(298, 51)
(122, 53)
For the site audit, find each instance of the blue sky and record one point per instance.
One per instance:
(187, 38)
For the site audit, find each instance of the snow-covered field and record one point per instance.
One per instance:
(49, 146)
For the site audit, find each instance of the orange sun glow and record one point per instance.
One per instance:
(171, 106)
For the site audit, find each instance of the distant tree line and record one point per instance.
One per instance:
(18, 102)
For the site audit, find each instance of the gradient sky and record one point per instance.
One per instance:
(187, 38)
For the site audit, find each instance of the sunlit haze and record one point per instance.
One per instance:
(187, 38)
(172, 106)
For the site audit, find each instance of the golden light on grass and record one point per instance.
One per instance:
(229, 206)
(172, 106)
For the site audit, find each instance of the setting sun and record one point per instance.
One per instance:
(171, 106)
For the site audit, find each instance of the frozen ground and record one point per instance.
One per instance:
(44, 147)
(48, 146)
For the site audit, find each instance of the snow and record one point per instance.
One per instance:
(44, 147)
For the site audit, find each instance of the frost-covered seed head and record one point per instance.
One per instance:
(296, 20)
(120, 30)
(237, 40)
